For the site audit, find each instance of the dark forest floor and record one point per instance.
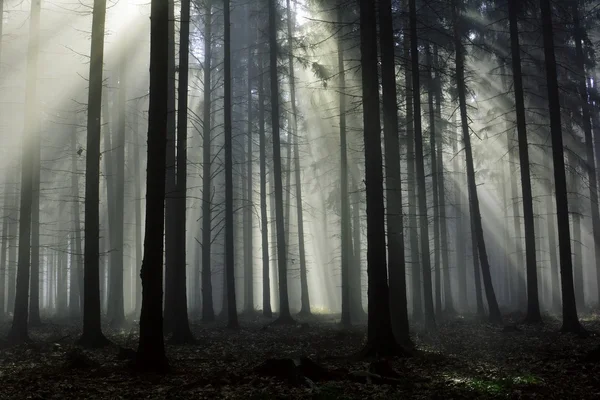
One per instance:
(465, 358)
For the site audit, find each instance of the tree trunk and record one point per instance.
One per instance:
(284, 305)
(435, 183)
(264, 221)
(116, 308)
(346, 237)
(569, 307)
(18, 332)
(151, 350)
(232, 321)
(533, 305)
(208, 311)
(448, 298)
(412, 197)
(249, 206)
(472, 186)
(92, 335)
(181, 326)
(380, 336)
(395, 223)
(422, 197)
(75, 298)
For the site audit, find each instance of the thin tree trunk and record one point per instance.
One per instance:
(151, 350)
(472, 186)
(569, 308)
(533, 305)
(208, 311)
(420, 175)
(395, 224)
(412, 196)
(284, 305)
(346, 237)
(435, 183)
(92, 335)
(232, 321)
(264, 221)
(181, 326)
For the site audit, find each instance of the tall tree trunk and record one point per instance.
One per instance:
(472, 186)
(232, 321)
(18, 331)
(208, 311)
(461, 258)
(345, 207)
(304, 296)
(533, 305)
(34, 278)
(435, 183)
(171, 183)
(248, 207)
(264, 221)
(181, 326)
(138, 213)
(116, 308)
(151, 350)
(284, 305)
(420, 175)
(579, 34)
(569, 307)
(395, 224)
(448, 300)
(92, 335)
(410, 169)
(75, 272)
(380, 336)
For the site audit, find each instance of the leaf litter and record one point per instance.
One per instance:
(465, 357)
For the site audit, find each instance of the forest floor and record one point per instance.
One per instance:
(465, 358)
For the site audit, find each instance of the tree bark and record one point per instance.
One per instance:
(569, 307)
(395, 223)
(151, 350)
(92, 335)
(533, 305)
(380, 336)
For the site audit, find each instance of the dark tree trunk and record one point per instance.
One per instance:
(92, 335)
(533, 305)
(435, 183)
(412, 197)
(181, 326)
(171, 183)
(380, 336)
(116, 302)
(151, 350)
(249, 206)
(569, 307)
(75, 272)
(208, 311)
(232, 321)
(284, 305)
(34, 278)
(448, 300)
(461, 257)
(264, 221)
(346, 237)
(420, 175)
(395, 223)
(472, 186)
(138, 214)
